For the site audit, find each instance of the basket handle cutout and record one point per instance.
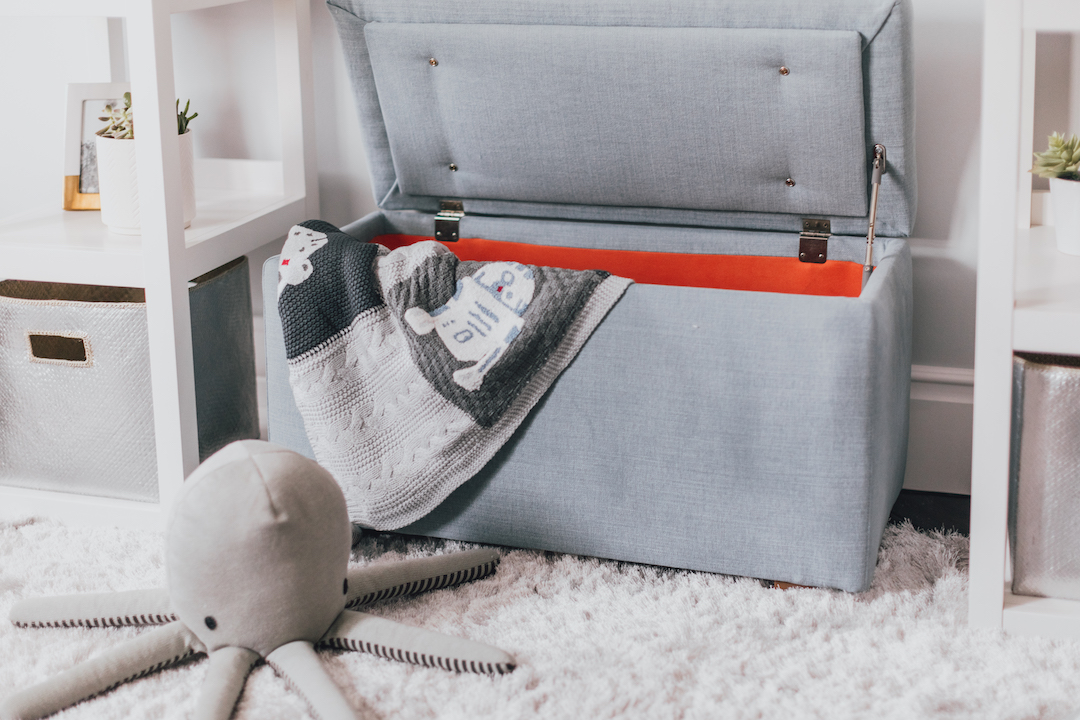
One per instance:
(59, 349)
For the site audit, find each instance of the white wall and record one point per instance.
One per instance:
(37, 59)
(225, 62)
(948, 71)
(225, 66)
(948, 49)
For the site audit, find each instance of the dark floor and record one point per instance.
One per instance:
(933, 511)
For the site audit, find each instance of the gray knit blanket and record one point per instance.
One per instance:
(411, 368)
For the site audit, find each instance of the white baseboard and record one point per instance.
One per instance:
(939, 438)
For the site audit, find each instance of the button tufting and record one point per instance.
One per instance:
(453, 168)
(433, 62)
(784, 70)
(789, 182)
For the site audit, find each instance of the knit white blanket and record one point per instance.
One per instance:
(411, 368)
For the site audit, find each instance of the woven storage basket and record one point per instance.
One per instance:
(76, 408)
(1044, 510)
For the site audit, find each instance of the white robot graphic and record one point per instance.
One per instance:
(482, 318)
(295, 267)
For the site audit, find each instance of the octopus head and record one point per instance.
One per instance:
(256, 549)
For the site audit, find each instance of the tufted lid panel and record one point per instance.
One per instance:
(560, 115)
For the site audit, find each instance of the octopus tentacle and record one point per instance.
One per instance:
(386, 638)
(410, 577)
(301, 668)
(228, 670)
(113, 609)
(133, 659)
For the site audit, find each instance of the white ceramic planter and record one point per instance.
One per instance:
(118, 183)
(1065, 200)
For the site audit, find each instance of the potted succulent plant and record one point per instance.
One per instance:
(1061, 164)
(117, 177)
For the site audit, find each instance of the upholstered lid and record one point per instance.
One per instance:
(749, 113)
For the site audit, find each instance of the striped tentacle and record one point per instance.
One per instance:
(411, 577)
(116, 609)
(123, 663)
(388, 639)
(302, 670)
(182, 655)
(419, 658)
(156, 619)
(224, 682)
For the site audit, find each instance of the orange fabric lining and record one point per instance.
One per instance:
(729, 272)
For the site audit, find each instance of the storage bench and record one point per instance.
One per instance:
(751, 423)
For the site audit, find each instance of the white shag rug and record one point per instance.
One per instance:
(593, 639)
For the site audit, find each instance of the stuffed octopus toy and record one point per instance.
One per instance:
(257, 550)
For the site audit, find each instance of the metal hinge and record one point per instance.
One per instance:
(447, 219)
(814, 240)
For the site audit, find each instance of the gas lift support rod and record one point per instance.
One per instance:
(875, 185)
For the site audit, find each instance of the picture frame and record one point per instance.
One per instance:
(85, 104)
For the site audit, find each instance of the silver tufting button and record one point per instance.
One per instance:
(783, 70)
(453, 167)
(433, 62)
(789, 182)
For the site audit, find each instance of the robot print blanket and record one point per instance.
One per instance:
(411, 368)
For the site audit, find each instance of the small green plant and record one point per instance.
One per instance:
(182, 117)
(1061, 160)
(121, 123)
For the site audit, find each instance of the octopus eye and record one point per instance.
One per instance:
(210, 622)
(345, 587)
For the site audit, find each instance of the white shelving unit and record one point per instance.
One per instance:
(241, 206)
(1028, 300)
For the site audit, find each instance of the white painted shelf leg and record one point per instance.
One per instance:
(168, 314)
(296, 80)
(1001, 112)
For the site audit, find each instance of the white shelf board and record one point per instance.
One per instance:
(72, 247)
(1046, 317)
(1054, 15)
(240, 206)
(100, 8)
(1046, 617)
(84, 510)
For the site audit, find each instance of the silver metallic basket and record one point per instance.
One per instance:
(76, 409)
(1044, 501)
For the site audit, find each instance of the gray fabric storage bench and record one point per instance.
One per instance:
(749, 433)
